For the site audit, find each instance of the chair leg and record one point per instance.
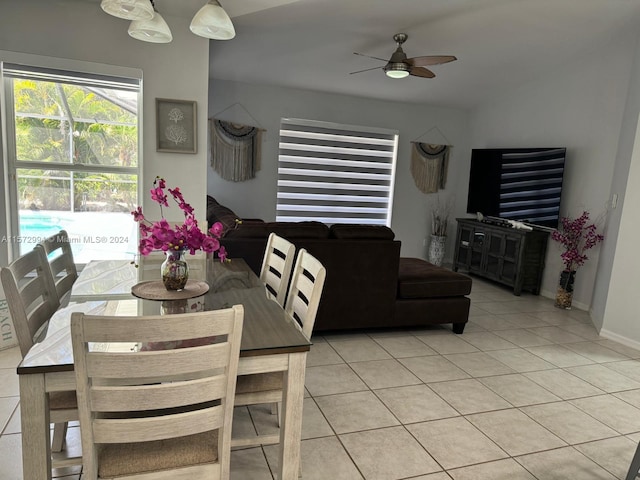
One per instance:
(634, 468)
(59, 435)
(276, 410)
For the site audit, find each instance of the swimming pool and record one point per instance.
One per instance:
(93, 235)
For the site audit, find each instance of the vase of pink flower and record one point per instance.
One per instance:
(176, 240)
(576, 237)
(175, 270)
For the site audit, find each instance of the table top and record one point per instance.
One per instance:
(104, 288)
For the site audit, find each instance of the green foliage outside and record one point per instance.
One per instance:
(70, 124)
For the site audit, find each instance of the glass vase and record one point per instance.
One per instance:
(175, 270)
(564, 294)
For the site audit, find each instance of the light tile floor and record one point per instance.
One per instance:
(527, 392)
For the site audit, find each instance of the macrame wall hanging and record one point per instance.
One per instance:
(235, 150)
(429, 165)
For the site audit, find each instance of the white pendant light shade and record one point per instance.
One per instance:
(155, 30)
(212, 21)
(128, 9)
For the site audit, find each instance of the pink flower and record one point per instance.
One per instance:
(161, 235)
(146, 246)
(188, 209)
(576, 237)
(175, 193)
(158, 196)
(216, 229)
(137, 215)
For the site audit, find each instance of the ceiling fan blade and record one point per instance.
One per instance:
(430, 60)
(365, 70)
(421, 72)
(369, 56)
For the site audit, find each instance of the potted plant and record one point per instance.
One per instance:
(176, 240)
(576, 236)
(439, 221)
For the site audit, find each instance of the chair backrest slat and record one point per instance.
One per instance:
(307, 282)
(57, 249)
(147, 429)
(164, 395)
(31, 295)
(276, 266)
(155, 363)
(123, 328)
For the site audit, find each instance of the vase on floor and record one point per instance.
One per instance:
(175, 270)
(436, 249)
(564, 294)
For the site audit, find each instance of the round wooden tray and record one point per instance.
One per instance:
(155, 290)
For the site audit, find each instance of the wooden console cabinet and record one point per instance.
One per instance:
(507, 255)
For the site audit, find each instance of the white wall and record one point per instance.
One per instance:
(79, 34)
(264, 106)
(620, 313)
(579, 106)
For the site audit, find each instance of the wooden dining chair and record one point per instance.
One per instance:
(276, 266)
(59, 255)
(162, 414)
(32, 300)
(303, 299)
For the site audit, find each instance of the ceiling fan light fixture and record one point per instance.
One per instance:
(397, 70)
(211, 21)
(155, 30)
(128, 9)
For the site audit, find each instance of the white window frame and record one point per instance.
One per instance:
(335, 173)
(47, 66)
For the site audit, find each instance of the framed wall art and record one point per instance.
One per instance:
(176, 126)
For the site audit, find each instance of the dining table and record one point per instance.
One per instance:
(271, 342)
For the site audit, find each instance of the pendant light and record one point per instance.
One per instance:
(212, 21)
(128, 9)
(154, 30)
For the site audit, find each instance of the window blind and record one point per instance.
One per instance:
(335, 173)
(11, 70)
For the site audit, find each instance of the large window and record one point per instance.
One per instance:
(335, 173)
(72, 160)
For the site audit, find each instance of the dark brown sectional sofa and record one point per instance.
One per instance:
(368, 285)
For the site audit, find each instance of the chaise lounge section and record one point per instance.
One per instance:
(426, 289)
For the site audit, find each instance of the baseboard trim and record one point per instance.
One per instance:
(620, 339)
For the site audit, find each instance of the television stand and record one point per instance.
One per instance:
(513, 257)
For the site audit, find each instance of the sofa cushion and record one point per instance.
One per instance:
(351, 231)
(220, 213)
(420, 279)
(288, 230)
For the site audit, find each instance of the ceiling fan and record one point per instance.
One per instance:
(399, 66)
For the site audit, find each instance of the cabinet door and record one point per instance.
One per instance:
(509, 269)
(477, 250)
(469, 249)
(495, 252)
(463, 247)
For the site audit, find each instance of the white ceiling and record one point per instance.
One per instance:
(499, 43)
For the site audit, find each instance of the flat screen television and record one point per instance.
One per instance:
(521, 184)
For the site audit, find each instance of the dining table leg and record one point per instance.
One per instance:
(34, 414)
(291, 421)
